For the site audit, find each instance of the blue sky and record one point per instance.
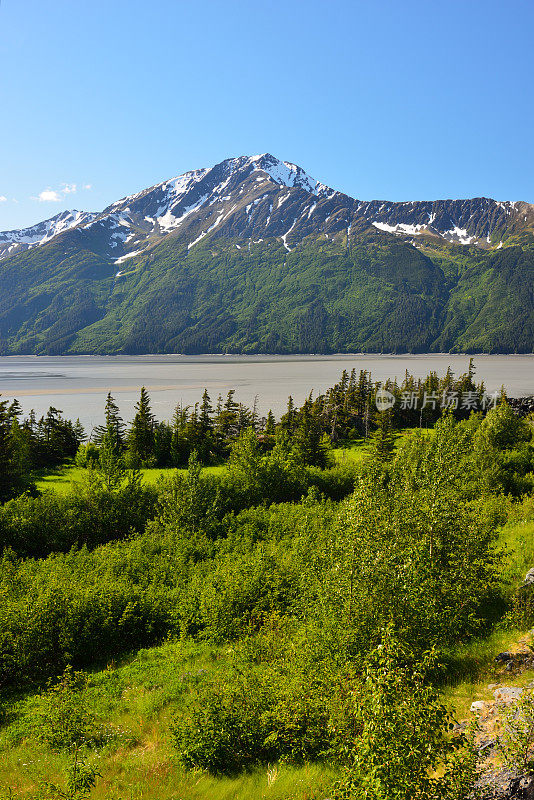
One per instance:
(383, 99)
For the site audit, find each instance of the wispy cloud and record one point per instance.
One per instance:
(57, 195)
(49, 196)
(3, 199)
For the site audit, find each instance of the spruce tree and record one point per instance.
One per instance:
(226, 421)
(180, 449)
(113, 427)
(270, 425)
(206, 423)
(14, 410)
(309, 442)
(141, 434)
(10, 479)
(79, 432)
(288, 420)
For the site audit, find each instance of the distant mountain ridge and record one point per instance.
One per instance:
(180, 203)
(358, 270)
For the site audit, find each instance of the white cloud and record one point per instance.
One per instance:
(87, 186)
(3, 199)
(49, 196)
(57, 195)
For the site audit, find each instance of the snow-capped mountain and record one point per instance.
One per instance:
(479, 221)
(254, 255)
(16, 241)
(247, 197)
(260, 197)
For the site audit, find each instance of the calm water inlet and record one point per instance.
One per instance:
(78, 384)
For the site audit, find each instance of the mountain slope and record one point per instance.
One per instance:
(254, 255)
(18, 241)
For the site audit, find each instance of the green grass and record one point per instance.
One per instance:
(59, 479)
(137, 698)
(517, 537)
(63, 478)
(355, 452)
(473, 666)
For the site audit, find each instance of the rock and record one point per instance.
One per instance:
(529, 577)
(493, 686)
(485, 745)
(507, 694)
(501, 657)
(504, 785)
(477, 707)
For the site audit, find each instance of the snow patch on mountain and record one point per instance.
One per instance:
(459, 234)
(291, 175)
(126, 257)
(44, 231)
(400, 227)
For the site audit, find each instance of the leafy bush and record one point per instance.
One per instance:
(91, 515)
(516, 743)
(63, 717)
(257, 713)
(403, 741)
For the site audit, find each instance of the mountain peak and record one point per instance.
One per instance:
(284, 173)
(255, 197)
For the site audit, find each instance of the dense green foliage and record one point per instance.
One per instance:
(335, 592)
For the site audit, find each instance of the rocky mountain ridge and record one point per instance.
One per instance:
(259, 197)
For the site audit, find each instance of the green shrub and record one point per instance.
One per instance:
(403, 749)
(91, 515)
(251, 716)
(63, 718)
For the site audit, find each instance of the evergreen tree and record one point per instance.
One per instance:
(113, 427)
(244, 419)
(270, 424)
(309, 442)
(79, 432)
(163, 444)
(10, 478)
(288, 420)
(226, 421)
(180, 449)
(14, 410)
(202, 438)
(206, 411)
(21, 442)
(141, 434)
(254, 413)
